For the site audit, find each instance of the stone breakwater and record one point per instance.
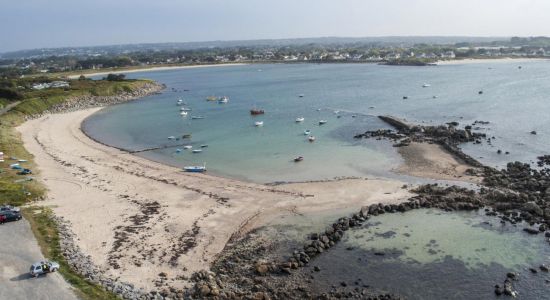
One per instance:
(518, 195)
(449, 136)
(83, 102)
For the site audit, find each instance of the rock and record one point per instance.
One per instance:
(204, 290)
(544, 268)
(533, 270)
(316, 269)
(531, 230)
(533, 208)
(262, 269)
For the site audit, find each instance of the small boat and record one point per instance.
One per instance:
(311, 138)
(372, 107)
(322, 122)
(197, 117)
(178, 150)
(187, 147)
(195, 169)
(197, 151)
(204, 146)
(435, 97)
(185, 90)
(223, 99)
(338, 116)
(186, 136)
(301, 95)
(257, 111)
(259, 123)
(318, 109)
(336, 112)
(298, 159)
(405, 97)
(185, 109)
(22, 160)
(212, 98)
(180, 101)
(183, 113)
(480, 92)
(307, 132)
(171, 137)
(300, 119)
(353, 116)
(425, 85)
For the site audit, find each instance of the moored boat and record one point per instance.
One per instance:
(187, 147)
(259, 123)
(183, 113)
(255, 111)
(307, 132)
(299, 119)
(223, 99)
(197, 151)
(185, 109)
(322, 122)
(298, 159)
(425, 85)
(311, 138)
(212, 98)
(171, 137)
(195, 169)
(197, 117)
(186, 136)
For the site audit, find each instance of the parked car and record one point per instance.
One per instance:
(25, 172)
(9, 208)
(11, 216)
(43, 268)
(2, 219)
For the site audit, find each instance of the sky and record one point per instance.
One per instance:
(28, 24)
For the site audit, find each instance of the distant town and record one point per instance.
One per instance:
(389, 51)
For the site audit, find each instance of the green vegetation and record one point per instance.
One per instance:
(17, 190)
(45, 231)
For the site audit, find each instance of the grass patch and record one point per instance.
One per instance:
(15, 190)
(47, 235)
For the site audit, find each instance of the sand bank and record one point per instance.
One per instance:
(153, 69)
(137, 218)
(489, 60)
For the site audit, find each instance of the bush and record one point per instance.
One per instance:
(116, 77)
(10, 94)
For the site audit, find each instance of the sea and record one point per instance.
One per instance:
(515, 101)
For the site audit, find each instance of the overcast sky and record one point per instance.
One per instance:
(28, 24)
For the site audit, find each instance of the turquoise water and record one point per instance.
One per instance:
(428, 254)
(515, 102)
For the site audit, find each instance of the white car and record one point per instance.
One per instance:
(9, 208)
(43, 267)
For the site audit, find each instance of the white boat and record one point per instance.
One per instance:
(187, 147)
(197, 151)
(426, 85)
(300, 119)
(336, 112)
(259, 123)
(185, 109)
(178, 150)
(223, 99)
(171, 137)
(311, 138)
(322, 122)
(183, 113)
(307, 132)
(197, 117)
(195, 169)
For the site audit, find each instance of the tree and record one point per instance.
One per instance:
(116, 77)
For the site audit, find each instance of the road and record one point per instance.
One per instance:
(18, 250)
(8, 107)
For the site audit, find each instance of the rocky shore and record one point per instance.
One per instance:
(449, 136)
(83, 102)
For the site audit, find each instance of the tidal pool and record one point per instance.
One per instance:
(432, 254)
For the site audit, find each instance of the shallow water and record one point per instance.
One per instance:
(428, 254)
(514, 101)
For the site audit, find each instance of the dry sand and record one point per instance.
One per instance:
(137, 218)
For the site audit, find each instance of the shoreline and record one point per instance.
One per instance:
(153, 69)
(195, 215)
(488, 60)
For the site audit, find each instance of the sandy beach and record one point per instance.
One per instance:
(153, 69)
(137, 218)
(489, 60)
